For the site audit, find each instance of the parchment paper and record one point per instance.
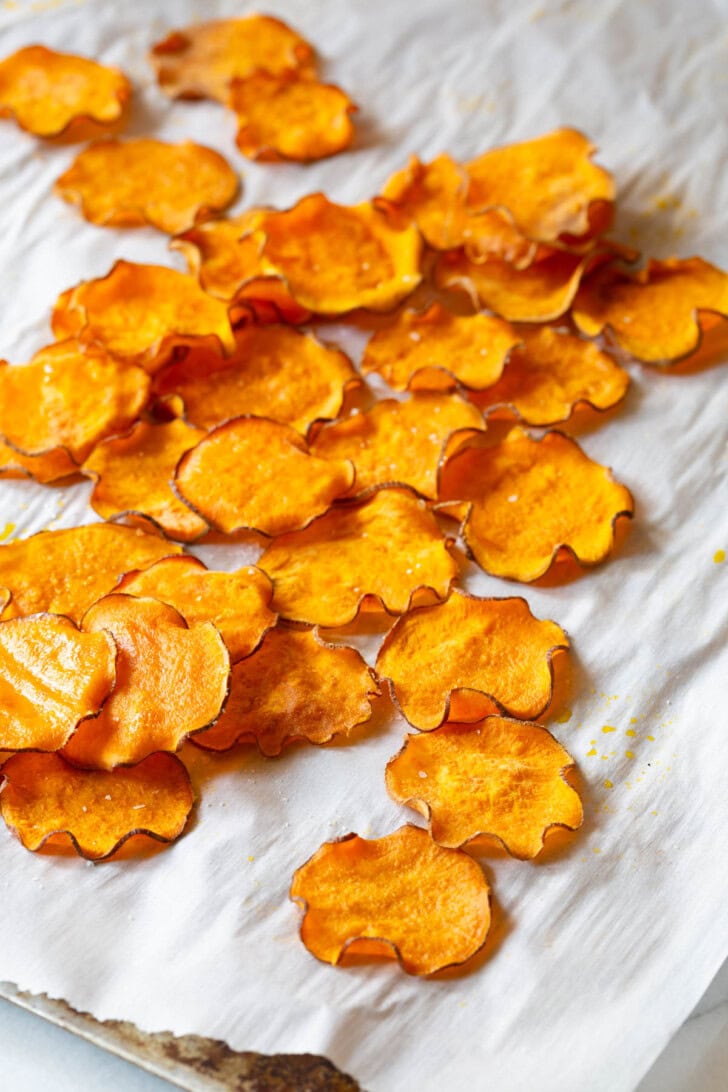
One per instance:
(599, 950)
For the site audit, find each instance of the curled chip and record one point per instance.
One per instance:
(295, 687)
(43, 468)
(66, 571)
(399, 897)
(133, 476)
(492, 655)
(290, 116)
(436, 349)
(142, 313)
(397, 442)
(531, 502)
(384, 554)
(49, 93)
(657, 315)
(258, 475)
(136, 182)
(171, 680)
(200, 61)
(43, 797)
(501, 778)
(52, 676)
(237, 602)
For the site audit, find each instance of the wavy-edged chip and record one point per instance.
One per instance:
(45, 797)
(383, 554)
(52, 676)
(65, 571)
(171, 680)
(436, 350)
(500, 778)
(530, 501)
(294, 687)
(142, 313)
(492, 655)
(397, 442)
(202, 60)
(237, 602)
(133, 183)
(255, 474)
(51, 94)
(43, 468)
(399, 897)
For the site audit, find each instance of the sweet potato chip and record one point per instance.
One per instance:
(382, 553)
(137, 182)
(133, 476)
(295, 687)
(501, 778)
(532, 500)
(49, 93)
(436, 349)
(255, 474)
(43, 468)
(492, 655)
(237, 602)
(171, 680)
(200, 61)
(400, 897)
(397, 442)
(43, 797)
(52, 676)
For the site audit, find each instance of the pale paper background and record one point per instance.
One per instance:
(600, 952)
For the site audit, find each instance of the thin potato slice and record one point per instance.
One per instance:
(43, 468)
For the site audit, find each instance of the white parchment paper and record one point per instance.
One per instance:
(600, 951)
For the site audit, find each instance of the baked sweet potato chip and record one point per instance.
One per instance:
(43, 468)
(399, 897)
(97, 811)
(501, 778)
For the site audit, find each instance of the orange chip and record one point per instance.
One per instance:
(290, 116)
(200, 61)
(657, 315)
(137, 182)
(142, 312)
(171, 680)
(550, 376)
(258, 475)
(52, 676)
(66, 571)
(397, 442)
(436, 350)
(43, 468)
(237, 602)
(531, 500)
(97, 811)
(492, 655)
(133, 476)
(501, 778)
(398, 897)
(295, 687)
(49, 93)
(383, 553)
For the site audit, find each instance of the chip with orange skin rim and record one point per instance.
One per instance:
(134, 183)
(54, 94)
(52, 677)
(202, 60)
(141, 313)
(237, 602)
(436, 350)
(294, 687)
(45, 797)
(42, 468)
(492, 655)
(382, 554)
(171, 680)
(530, 501)
(501, 778)
(400, 897)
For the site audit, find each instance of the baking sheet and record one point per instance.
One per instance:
(599, 950)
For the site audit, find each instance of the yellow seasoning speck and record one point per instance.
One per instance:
(592, 752)
(609, 728)
(7, 531)
(565, 717)
(251, 858)
(719, 557)
(608, 785)
(628, 754)
(651, 739)
(595, 850)
(630, 732)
